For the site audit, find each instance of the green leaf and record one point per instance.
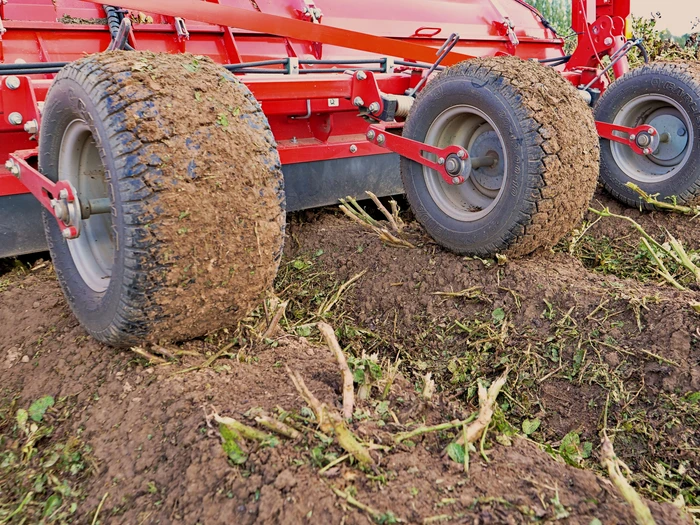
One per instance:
(236, 111)
(595, 521)
(498, 315)
(197, 96)
(230, 445)
(587, 450)
(530, 426)
(22, 417)
(456, 452)
(358, 376)
(570, 449)
(303, 331)
(222, 119)
(39, 408)
(693, 397)
(52, 504)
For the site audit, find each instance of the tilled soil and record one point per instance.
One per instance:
(575, 338)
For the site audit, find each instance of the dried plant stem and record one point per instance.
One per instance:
(348, 383)
(651, 199)
(389, 216)
(241, 429)
(329, 303)
(376, 515)
(403, 436)
(330, 422)
(152, 359)
(277, 426)
(281, 308)
(354, 211)
(612, 463)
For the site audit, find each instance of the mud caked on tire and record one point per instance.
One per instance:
(543, 139)
(665, 95)
(187, 160)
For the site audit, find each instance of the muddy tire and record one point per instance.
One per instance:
(665, 95)
(543, 137)
(190, 167)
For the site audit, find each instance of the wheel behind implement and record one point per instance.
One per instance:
(185, 158)
(536, 142)
(665, 95)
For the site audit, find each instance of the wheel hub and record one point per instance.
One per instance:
(673, 137)
(487, 145)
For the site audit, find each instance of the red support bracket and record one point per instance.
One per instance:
(453, 163)
(365, 93)
(643, 139)
(59, 198)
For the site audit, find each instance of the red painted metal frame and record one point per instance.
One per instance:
(233, 31)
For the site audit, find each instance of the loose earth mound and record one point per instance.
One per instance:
(589, 336)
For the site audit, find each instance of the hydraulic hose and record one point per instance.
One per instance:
(114, 20)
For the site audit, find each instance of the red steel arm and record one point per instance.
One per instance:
(278, 25)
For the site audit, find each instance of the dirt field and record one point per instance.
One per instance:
(591, 338)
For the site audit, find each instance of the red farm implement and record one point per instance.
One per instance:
(155, 146)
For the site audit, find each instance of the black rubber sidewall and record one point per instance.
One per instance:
(650, 81)
(67, 100)
(491, 232)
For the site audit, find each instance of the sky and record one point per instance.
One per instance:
(676, 15)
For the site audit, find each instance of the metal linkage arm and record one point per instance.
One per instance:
(453, 162)
(59, 198)
(643, 139)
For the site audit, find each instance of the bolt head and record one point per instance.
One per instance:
(15, 118)
(374, 107)
(381, 139)
(652, 131)
(646, 151)
(681, 132)
(632, 136)
(461, 154)
(31, 127)
(63, 194)
(358, 101)
(441, 161)
(370, 134)
(361, 75)
(12, 82)
(608, 41)
(69, 233)
(9, 164)
(353, 149)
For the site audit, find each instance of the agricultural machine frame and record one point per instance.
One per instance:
(312, 104)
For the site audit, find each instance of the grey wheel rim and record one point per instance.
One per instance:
(80, 163)
(674, 127)
(472, 129)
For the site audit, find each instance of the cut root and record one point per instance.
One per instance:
(613, 465)
(331, 423)
(353, 210)
(670, 206)
(348, 384)
(487, 400)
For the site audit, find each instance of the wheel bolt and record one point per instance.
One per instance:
(681, 132)
(441, 161)
(381, 139)
(647, 151)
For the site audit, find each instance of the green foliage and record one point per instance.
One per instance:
(39, 408)
(530, 426)
(556, 12)
(456, 452)
(662, 45)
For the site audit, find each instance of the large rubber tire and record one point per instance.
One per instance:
(662, 88)
(190, 166)
(547, 134)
